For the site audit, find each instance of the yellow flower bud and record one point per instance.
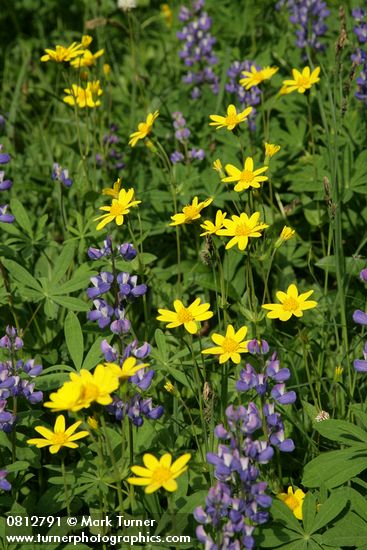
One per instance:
(338, 373)
(106, 69)
(167, 14)
(286, 234)
(271, 149)
(92, 422)
(86, 40)
(218, 167)
(169, 387)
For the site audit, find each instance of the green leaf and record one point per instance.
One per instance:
(161, 342)
(281, 512)
(94, 355)
(51, 381)
(71, 303)
(74, 339)
(330, 509)
(342, 431)
(351, 531)
(22, 276)
(335, 467)
(308, 512)
(276, 535)
(62, 263)
(21, 216)
(18, 466)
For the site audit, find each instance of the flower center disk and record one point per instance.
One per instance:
(291, 304)
(185, 316)
(229, 345)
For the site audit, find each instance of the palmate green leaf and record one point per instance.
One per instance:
(79, 280)
(308, 512)
(335, 467)
(74, 339)
(21, 216)
(161, 342)
(51, 381)
(350, 531)
(276, 536)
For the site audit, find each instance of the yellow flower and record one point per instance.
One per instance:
(159, 473)
(240, 228)
(290, 304)
(301, 81)
(118, 209)
(212, 228)
(254, 77)
(191, 212)
(88, 59)
(167, 14)
(248, 177)
(61, 54)
(113, 191)
(231, 120)
(144, 129)
(106, 69)
(59, 437)
(294, 501)
(286, 234)
(189, 317)
(271, 149)
(229, 346)
(84, 97)
(84, 389)
(129, 368)
(86, 40)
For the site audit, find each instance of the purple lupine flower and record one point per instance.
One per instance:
(98, 253)
(4, 184)
(111, 157)
(121, 325)
(4, 157)
(256, 347)
(283, 397)
(309, 16)
(197, 48)
(136, 409)
(11, 340)
(102, 314)
(62, 175)
(363, 275)
(360, 317)
(4, 217)
(244, 97)
(359, 56)
(360, 365)
(4, 483)
(196, 154)
(110, 353)
(176, 157)
(129, 289)
(102, 284)
(127, 251)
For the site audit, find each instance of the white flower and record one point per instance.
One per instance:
(126, 4)
(323, 415)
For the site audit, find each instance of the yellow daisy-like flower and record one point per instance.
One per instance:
(294, 501)
(248, 177)
(61, 54)
(113, 191)
(88, 59)
(159, 473)
(240, 228)
(290, 304)
(212, 228)
(254, 77)
(189, 316)
(144, 129)
(231, 120)
(301, 82)
(271, 149)
(129, 368)
(84, 389)
(191, 212)
(59, 437)
(118, 209)
(84, 97)
(229, 346)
